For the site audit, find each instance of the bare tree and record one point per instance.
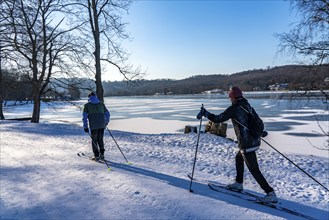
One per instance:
(36, 43)
(310, 36)
(103, 33)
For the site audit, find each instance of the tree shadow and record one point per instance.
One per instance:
(43, 128)
(39, 199)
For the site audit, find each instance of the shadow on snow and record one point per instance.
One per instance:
(201, 188)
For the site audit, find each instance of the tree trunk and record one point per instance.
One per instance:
(2, 117)
(36, 106)
(98, 75)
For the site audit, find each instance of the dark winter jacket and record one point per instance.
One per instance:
(246, 141)
(96, 113)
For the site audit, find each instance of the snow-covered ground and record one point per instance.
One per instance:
(43, 178)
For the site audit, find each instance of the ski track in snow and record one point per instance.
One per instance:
(42, 177)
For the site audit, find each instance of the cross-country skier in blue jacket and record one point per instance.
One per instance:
(96, 113)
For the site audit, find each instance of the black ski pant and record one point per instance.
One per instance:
(251, 161)
(97, 141)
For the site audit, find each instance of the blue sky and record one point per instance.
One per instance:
(179, 39)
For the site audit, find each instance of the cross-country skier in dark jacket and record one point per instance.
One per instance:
(247, 142)
(98, 117)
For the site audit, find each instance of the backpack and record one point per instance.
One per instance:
(255, 124)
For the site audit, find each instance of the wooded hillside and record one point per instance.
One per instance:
(294, 77)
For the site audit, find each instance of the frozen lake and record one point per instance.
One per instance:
(293, 125)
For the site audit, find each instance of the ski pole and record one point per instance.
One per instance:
(117, 145)
(108, 166)
(295, 165)
(196, 152)
(286, 158)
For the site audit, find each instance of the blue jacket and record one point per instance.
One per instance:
(95, 113)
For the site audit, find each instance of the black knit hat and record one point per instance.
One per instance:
(91, 94)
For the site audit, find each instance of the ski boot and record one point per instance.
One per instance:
(235, 187)
(95, 158)
(269, 198)
(101, 157)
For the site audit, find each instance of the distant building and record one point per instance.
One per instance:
(278, 87)
(160, 94)
(214, 91)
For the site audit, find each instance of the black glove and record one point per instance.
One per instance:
(203, 112)
(265, 133)
(86, 130)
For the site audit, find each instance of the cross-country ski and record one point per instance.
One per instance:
(103, 161)
(256, 199)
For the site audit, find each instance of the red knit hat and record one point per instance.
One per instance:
(235, 92)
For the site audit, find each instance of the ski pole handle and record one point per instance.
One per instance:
(199, 116)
